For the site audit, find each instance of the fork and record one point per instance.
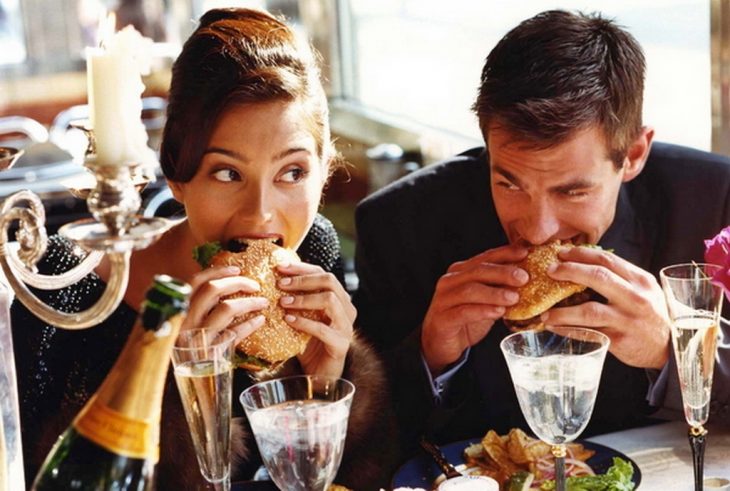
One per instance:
(435, 452)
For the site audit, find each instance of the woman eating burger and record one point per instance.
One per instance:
(247, 150)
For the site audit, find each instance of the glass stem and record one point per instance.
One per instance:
(224, 485)
(697, 436)
(558, 452)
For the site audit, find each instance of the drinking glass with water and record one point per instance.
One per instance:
(300, 425)
(556, 378)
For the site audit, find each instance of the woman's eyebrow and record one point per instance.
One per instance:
(290, 151)
(242, 158)
(226, 152)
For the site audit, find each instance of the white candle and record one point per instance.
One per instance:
(115, 87)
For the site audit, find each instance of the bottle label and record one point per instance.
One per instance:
(118, 433)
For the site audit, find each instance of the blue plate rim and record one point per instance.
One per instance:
(427, 470)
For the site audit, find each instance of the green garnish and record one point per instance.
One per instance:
(204, 253)
(617, 478)
(520, 481)
(243, 360)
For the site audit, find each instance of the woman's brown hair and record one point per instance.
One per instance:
(237, 56)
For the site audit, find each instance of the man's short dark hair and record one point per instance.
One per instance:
(560, 72)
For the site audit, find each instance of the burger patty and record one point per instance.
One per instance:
(535, 322)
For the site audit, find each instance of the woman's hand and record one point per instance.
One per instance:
(314, 289)
(208, 311)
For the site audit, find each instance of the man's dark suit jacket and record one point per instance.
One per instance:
(410, 232)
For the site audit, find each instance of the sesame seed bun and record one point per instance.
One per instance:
(275, 342)
(541, 292)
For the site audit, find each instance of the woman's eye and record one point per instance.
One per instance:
(226, 175)
(295, 174)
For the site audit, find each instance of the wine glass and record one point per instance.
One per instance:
(694, 304)
(203, 373)
(556, 378)
(300, 424)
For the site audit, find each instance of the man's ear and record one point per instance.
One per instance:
(638, 153)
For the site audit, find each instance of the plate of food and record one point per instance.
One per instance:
(517, 457)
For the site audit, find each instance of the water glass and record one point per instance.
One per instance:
(300, 425)
(556, 377)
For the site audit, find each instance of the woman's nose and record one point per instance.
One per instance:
(255, 206)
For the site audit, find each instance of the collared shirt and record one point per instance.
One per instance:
(441, 382)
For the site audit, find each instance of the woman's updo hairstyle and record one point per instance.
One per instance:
(237, 56)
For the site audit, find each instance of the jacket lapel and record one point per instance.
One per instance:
(630, 236)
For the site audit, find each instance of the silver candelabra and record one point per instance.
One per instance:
(114, 231)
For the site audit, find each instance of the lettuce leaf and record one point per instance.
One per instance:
(241, 359)
(204, 253)
(617, 478)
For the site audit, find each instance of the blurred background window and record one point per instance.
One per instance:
(12, 46)
(422, 59)
(417, 61)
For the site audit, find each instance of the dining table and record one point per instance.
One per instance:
(663, 455)
(661, 451)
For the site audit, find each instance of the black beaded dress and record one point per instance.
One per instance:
(58, 370)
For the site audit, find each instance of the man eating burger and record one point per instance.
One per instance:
(567, 161)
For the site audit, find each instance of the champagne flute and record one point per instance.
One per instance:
(556, 378)
(694, 304)
(300, 425)
(203, 373)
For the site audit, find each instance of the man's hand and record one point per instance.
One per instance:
(635, 317)
(468, 299)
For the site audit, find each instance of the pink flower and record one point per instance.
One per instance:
(717, 251)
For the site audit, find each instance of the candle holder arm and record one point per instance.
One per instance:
(20, 269)
(107, 303)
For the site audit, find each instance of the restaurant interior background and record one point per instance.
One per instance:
(400, 72)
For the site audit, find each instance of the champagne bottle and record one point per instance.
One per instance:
(113, 443)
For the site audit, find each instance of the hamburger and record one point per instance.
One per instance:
(541, 292)
(276, 341)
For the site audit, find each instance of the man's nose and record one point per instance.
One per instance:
(541, 224)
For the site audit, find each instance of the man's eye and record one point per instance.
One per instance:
(226, 175)
(294, 175)
(574, 193)
(507, 185)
